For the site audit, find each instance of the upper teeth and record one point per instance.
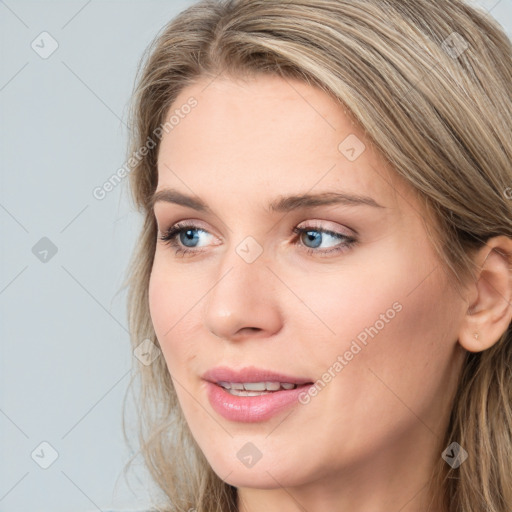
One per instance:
(257, 386)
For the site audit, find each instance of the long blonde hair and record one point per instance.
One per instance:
(430, 83)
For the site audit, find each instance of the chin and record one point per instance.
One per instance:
(258, 479)
(262, 475)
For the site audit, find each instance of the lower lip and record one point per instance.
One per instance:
(251, 409)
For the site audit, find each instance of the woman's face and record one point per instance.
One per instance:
(355, 304)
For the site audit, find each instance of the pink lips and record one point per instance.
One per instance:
(251, 408)
(250, 374)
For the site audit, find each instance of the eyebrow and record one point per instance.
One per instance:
(281, 204)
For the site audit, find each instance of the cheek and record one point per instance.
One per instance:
(162, 300)
(394, 368)
(345, 304)
(398, 346)
(174, 297)
(395, 296)
(394, 318)
(167, 309)
(172, 294)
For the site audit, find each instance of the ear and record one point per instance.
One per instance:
(490, 297)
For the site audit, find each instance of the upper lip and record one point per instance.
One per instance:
(250, 374)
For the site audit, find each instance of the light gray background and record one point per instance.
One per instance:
(64, 356)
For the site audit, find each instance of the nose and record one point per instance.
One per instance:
(242, 301)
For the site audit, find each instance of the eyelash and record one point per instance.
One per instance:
(169, 237)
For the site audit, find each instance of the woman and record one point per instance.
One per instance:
(326, 257)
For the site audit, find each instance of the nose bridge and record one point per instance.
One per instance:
(242, 295)
(246, 262)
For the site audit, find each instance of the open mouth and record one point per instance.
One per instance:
(257, 388)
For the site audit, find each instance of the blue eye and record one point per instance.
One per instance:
(186, 233)
(316, 236)
(185, 237)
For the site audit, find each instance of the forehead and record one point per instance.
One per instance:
(269, 134)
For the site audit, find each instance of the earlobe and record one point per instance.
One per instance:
(490, 310)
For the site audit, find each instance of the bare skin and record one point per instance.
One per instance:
(370, 437)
